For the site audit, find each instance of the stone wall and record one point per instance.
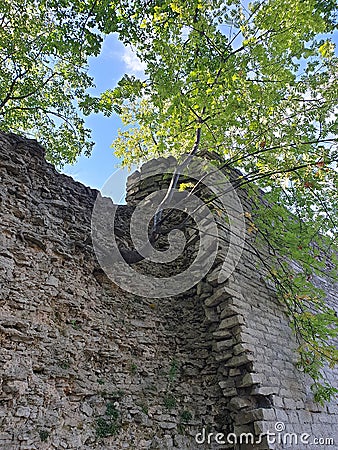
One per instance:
(255, 347)
(86, 365)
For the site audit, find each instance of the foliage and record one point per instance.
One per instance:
(173, 371)
(133, 368)
(44, 48)
(169, 401)
(44, 435)
(106, 427)
(257, 84)
(109, 424)
(185, 416)
(111, 410)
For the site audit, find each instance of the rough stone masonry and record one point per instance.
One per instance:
(85, 365)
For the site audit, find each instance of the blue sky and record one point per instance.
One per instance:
(113, 62)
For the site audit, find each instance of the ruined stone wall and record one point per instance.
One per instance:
(86, 365)
(82, 359)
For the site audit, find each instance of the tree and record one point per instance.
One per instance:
(256, 83)
(44, 48)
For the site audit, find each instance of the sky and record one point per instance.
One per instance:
(113, 62)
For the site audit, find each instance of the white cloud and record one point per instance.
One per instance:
(132, 62)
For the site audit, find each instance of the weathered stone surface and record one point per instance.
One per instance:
(80, 357)
(75, 349)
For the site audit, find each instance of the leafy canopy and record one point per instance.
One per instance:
(257, 84)
(44, 48)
